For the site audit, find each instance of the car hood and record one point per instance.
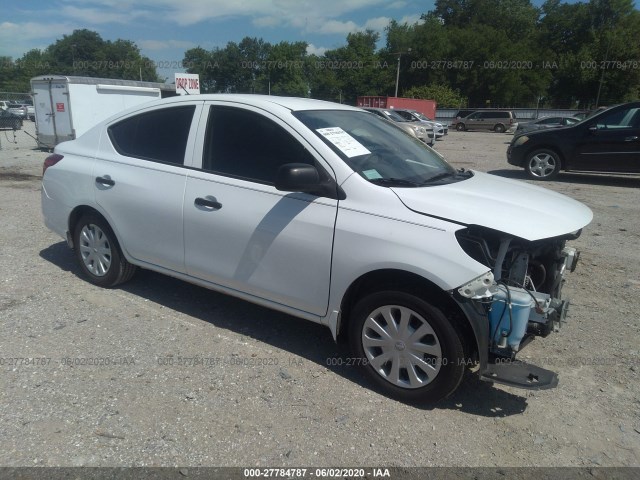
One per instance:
(510, 206)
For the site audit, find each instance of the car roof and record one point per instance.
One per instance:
(264, 101)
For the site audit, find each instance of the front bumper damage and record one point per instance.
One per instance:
(514, 303)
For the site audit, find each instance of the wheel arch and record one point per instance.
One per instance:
(400, 280)
(81, 210)
(123, 270)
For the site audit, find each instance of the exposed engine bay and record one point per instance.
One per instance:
(524, 299)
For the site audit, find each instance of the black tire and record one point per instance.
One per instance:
(499, 128)
(543, 164)
(99, 254)
(460, 127)
(402, 377)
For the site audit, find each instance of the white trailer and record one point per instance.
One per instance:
(67, 106)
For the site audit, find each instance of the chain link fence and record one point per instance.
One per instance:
(6, 100)
(16, 96)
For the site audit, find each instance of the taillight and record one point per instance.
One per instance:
(50, 161)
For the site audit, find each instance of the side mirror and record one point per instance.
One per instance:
(298, 177)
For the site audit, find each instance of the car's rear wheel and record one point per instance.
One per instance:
(499, 128)
(543, 164)
(406, 346)
(460, 127)
(99, 254)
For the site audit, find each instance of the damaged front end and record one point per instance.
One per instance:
(519, 299)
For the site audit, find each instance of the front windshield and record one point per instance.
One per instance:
(377, 150)
(396, 117)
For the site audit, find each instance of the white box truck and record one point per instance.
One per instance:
(67, 106)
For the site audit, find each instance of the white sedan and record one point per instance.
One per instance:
(328, 213)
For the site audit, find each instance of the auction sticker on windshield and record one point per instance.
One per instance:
(343, 141)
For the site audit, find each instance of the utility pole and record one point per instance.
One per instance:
(398, 70)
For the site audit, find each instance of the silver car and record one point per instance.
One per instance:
(422, 132)
(439, 129)
(498, 121)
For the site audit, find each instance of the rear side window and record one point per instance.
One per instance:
(497, 115)
(160, 135)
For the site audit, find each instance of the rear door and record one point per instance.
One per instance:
(140, 178)
(240, 231)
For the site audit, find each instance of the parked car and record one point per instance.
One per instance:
(439, 129)
(28, 108)
(328, 214)
(10, 120)
(17, 109)
(544, 123)
(422, 132)
(498, 121)
(609, 142)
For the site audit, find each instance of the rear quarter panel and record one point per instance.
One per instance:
(69, 183)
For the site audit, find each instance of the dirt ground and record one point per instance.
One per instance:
(91, 377)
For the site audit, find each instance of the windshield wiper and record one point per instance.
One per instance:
(394, 182)
(439, 176)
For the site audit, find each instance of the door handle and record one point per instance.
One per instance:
(105, 181)
(205, 202)
(631, 139)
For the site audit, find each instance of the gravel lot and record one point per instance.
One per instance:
(272, 391)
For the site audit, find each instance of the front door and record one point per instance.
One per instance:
(242, 233)
(610, 143)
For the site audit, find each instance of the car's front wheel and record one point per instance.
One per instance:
(543, 164)
(99, 254)
(460, 127)
(406, 346)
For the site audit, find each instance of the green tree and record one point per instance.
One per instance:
(595, 47)
(202, 62)
(285, 69)
(417, 46)
(358, 68)
(442, 94)
(236, 68)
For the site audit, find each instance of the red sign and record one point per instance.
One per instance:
(60, 107)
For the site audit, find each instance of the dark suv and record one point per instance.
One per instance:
(606, 142)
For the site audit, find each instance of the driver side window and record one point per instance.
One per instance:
(625, 118)
(244, 144)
